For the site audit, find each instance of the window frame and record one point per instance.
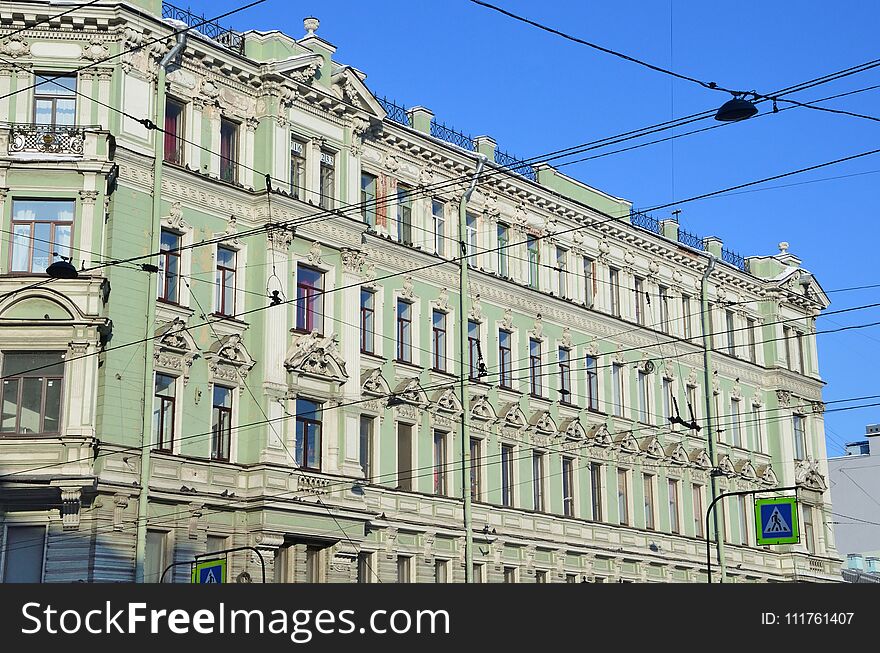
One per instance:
(45, 376)
(327, 179)
(230, 130)
(166, 256)
(175, 137)
(304, 434)
(366, 445)
(648, 500)
(306, 316)
(31, 239)
(505, 359)
(565, 386)
(536, 386)
(404, 196)
(369, 198)
(53, 98)
(508, 470)
(220, 296)
(438, 221)
(368, 315)
(438, 340)
(404, 331)
(623, 516)
(539, 479)
(158, 430)
(220, 435)
(474, 350)
(440, 460)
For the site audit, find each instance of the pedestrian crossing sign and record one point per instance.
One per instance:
(209, 571)
(776, 521)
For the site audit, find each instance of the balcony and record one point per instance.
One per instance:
(29, 140)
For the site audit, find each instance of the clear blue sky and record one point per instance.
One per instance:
(534, 92)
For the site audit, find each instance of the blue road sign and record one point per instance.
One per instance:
(209, 571)
(777, 520)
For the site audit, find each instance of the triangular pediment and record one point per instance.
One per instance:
(600, 436)
(348, 85)
(746, 470)
(651, 447)
(768, 476)
(677, 454)
(446, 401)
(807, 474)
(573, 429)
(514, 417)
(725, 466)
(373, 383)
(174, 337)
(700, 458)
(543, 422)
(801, 282)
(410, 391)
(627, 442)
(482, 409)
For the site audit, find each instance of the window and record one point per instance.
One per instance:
(368, 316)
(731, 333)
(404, 456)
(40, 230)
(759, 429)
(589, 280)
(368, 198)
(477, 572)
(617, 386)
(228, 150)
(809, 531)
(692, 401)
(23, 555)
(535, 367)
(155, 558)
(438, 215)
(664, 309)
(174, 131)
(439, 340)
(163, 412)
(55, 100)
(568, 496)
(562, 271)
(307, 448)
(404, 569)
(571, 578)
(471, 236)
(540, 576)
(596, 490)
(592, 383)
(474, 353)
(298, 169)
(328, 179)
(735, 428)
(743, 520)
(673, 506)
(505, 358)
(314, 564)
(503, 241)
(801, 353)
(309, 299)
(440, 571)
(786, 337)
(538, 481)
(532, 247)
(623, 496)
(404, 331)
(614, 284)
(644, 403)
(648, 484)
(753, 349)
(366, 446)
(404, 214)
(476, 469)
(32, 383)
(216, 543)
(565, 395)
(507, 475)
(364, 568)
(639, 287)
(510, 574)
(668, 402)
(697, 491)
(224, 297)
(687, 324)
(169, 267)
(221, 422)
(800, 441)
(439, 463)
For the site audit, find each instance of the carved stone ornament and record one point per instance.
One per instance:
(491, 207)
(481, 408)
(544, 422)
(566, 340)
(374, 383)
(574, 430)
(279, 238)
(627, 442)
(701, 459)
(593, 349)
(476, 312)
(229, 360)
(692, 378)
(653, 268)
(411, 391)
(447, 401)
(408, 291)
(677, 277)
(514, 417)
(725, 466)
(818, 407)
(95, 49)
(507, 320)
(352, 260)
(601, 436)
(746, 470)
(209, 89)
(629, 258)
(316, 355)
(520, 217)
(314, 255)
(426, 176)
(537, 330)
(174, 219)
(768, 477)
(604, 249)
(231, 233)
(175, 349)
(15, 47)
(677, 454)
(651, 447)
(784, 397)
(390, 162)
(442, 301)
(807, 474)
(71, 502)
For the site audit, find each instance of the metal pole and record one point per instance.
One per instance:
(464, 374)
(706, 322)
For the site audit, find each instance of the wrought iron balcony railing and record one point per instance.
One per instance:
(444, 133)
(46, 139)
(226, 37)
(514, 165)
(689, 239)
(395, 112)
(645, 221)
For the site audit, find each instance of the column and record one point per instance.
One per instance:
(213, 114)
(194, 133)
(79, 385)
(84, 102)
(490, 241)
(5, 87)
(313, 171)
(23, 101)
(246, 171)
(88, 196)
(105, 76)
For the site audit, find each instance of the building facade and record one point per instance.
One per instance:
(259, 349)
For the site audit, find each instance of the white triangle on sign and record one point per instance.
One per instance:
(776, 523)
(210, 578)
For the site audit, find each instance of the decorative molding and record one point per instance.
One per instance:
(314, 355)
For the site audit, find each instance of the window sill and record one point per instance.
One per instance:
(373, 356)
(434, 370)
(408, 364)
(569, 405)
(224, 317)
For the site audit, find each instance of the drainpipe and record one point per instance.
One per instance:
(166, 62)
(464, 373)
(706, 322)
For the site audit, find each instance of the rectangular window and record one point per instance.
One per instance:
(568, 495)
(686, 318)
(800, 439)
(759, 429)
(163, 412)
(623, 496)
(743, 520)
(540, 576)
(169, 267)
(589, 281)
(617, 387)
(404, 214)
(31, 392)
(503, 242)
(639, 288)
(365, 450)
(439, 217)
(505, 358)
(368, 198)
(562, 271)
(174, 131)
(644, 403)
(510, 574)
(596, 490)
(474, 352)
(809, 531)
(538, 481)
(439, 463)
(697, 491)
(368, 318)
(438, 330)
(314, 564)
(404, 331)
(692, 401)
(533, 248)
(477, 572)
(440, 571)
(404, 457)
(648, 494)
(298, 170)
(155, 558)
(55, 101)
(471, 236)
(23, 554)
(309, 299)
(664, 309)
(404, 569)
(224, 283)
(565, 394)
(592, 383)
(753, 348)
(228, 150)
(308, 434)
(731, 333)
(507, 475)
(41, 232)
(535, 384)
(673, 506)
(614, 285)
(786, 338)
(735, 427)
(571, 578)
(364, 568)
(801, 354)
(216, 543)
(221, 422)
(328, 179)
(476, 469)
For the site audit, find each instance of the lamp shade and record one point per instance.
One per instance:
(736, 109)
